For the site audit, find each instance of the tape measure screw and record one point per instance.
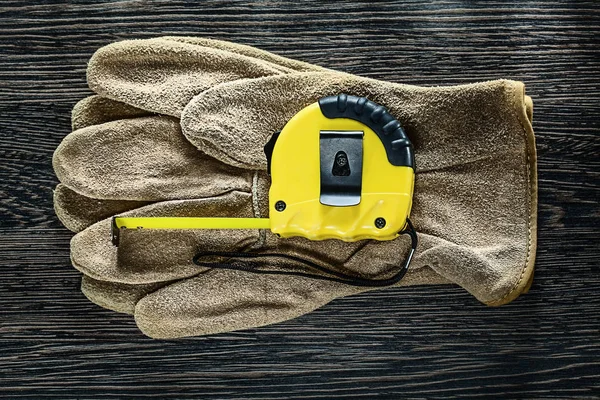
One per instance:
(280, 205)
(379, 223)
(341, 159)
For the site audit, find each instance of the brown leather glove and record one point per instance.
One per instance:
(474, 204)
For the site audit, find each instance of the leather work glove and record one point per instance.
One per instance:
(179, 129)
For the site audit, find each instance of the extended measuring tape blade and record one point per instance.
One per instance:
(119, 223)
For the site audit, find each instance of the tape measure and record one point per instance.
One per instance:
(341, 168)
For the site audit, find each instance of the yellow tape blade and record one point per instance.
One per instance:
(191, 223)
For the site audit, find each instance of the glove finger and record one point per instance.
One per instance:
(226, 300)
(233, 121)
(162, 75)
(150, 256)
(283, 63)
(481, 271)
(96, 110)
(77, 212)
(119, 297)
(141, 159)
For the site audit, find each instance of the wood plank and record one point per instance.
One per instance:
(434, 342)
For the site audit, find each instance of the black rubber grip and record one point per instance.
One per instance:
(397, 145)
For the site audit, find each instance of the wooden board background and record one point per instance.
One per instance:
(401, 343)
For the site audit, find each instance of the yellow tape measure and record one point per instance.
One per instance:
(341, 168)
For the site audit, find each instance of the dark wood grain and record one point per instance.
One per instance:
(403, 343)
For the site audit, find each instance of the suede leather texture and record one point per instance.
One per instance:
(177, 128)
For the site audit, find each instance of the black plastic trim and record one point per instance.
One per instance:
(269, 150)
(397, 145)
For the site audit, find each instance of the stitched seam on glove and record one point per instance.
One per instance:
(530, 145)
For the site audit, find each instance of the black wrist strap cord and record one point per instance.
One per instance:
(234, 261)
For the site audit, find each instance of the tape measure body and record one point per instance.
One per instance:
(295, 207)
(341, 168)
